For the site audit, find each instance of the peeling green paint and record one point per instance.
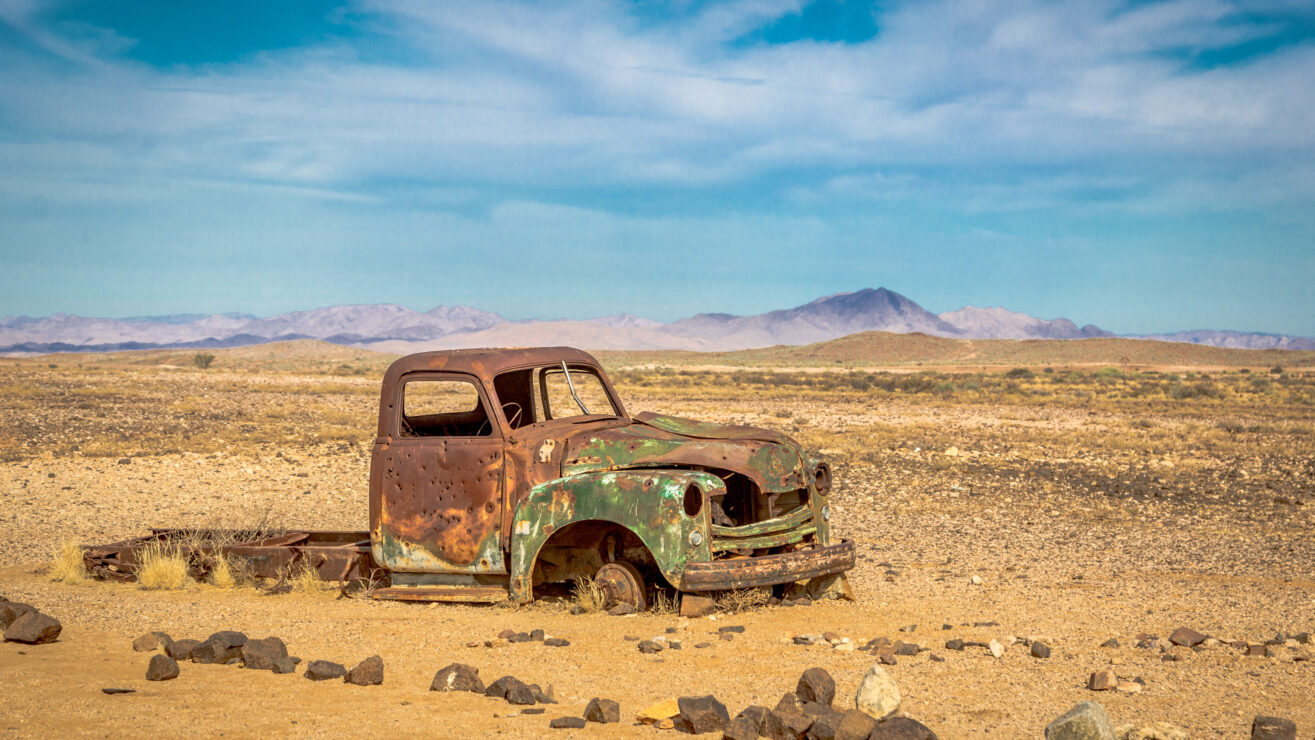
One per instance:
(401, 556)
(648, 503)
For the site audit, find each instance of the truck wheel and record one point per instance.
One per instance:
(623, 584)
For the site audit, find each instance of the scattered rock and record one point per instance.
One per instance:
(33, 628)
(519, 637)
(1101, 681)
(655, 713)
(741, 728)
(907, 648)
(908, 628)
(621, 610)
(181, 649)
(816, 685)
(212, 651)
(285, 666)
(954, 644)
(567, 723)
(161, 668)
(936, 658)
(604, 711)
(263, 654)
(369, 672)
(877, 695)
(696, 606)
(1186, 637)
(537, 635)
(153, 641)
(11, 611)
(543, 696)
(555, 642)
(1040, 650)
(112, 690)
(854, 725)
(648, 647)
(700, 714)
(323, 670)
(737, 628)
(1273, 728)
(1086, 721)
(997, 650)
(703, 645)
(785, 723)
(975, 580)
(1110, 643)
(512, 689)
(457, 677)
(229, 638)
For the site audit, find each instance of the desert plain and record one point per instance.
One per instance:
(1063, 492)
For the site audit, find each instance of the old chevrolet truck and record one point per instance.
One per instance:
(496, 471)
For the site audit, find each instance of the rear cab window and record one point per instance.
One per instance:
(449, 406)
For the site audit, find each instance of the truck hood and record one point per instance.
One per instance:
(773, 461)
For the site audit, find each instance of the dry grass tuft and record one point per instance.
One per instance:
(664, 602)
(163, 566)
(742, 599)
(229, 572)
(305, 579)
(589, 596)
(68, 566)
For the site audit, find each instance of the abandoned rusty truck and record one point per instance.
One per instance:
(498, 471)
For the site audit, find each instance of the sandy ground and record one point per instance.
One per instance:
(1070, 547)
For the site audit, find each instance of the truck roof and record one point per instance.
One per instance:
(485, 363)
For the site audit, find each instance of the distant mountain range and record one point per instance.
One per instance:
(392, 328)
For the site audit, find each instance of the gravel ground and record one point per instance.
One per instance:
(1075, 538)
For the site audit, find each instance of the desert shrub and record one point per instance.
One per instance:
(588, 595)
(1276, 370)
(1260, 384)
(162, 566)
(68, 566)
(664, 602)
(228, 572)
(742, 599)
(944, 388)
(202, 359)
(306, 579)
(1019, 372)
(1202, 389)
(1109, 374)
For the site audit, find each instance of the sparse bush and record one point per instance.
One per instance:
(306, 579)
(162, 566)
(228, 572)
(1019, 372)
(589, 596)
(203, 360)
(1202, 389)
(68, 566)
(664, 603)
(1276, 370)
(742, 599)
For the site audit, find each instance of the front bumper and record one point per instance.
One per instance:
(768, 570)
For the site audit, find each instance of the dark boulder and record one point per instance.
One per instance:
(457, 677)
(324, 670)
(816, 685)
(369, 672)
(34, 628)
(263, 654)
(604, 711)
(181, 649)
(161, 668)
(700, 714)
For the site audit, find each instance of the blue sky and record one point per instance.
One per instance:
(1142, 166)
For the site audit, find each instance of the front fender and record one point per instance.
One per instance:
(649, 503)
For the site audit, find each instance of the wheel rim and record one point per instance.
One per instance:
(623, 584)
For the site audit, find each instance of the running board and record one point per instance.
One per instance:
(468, 594)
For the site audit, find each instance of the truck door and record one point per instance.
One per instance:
(441, 488)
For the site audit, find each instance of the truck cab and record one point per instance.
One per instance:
(496, 471)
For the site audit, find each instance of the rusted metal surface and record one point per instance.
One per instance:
(464, 502)
(766, 570)
(335, 556)
(463, 594)
(651, 504)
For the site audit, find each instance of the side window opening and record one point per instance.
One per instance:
(515, 391)
(556, 401)
(443, 407)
